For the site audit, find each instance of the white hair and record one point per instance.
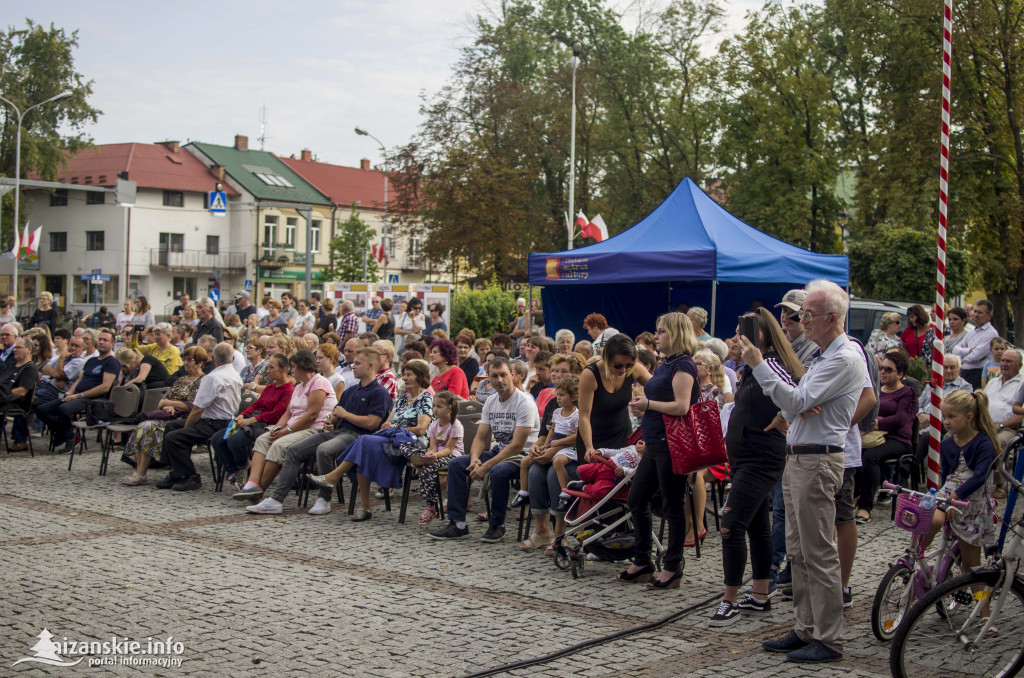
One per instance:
(206, 301)
(836, 299)
(954, 358)
(348, 306)
(565, 333)
(718, 347)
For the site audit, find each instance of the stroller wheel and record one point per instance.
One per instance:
(577, 568)
(561, 558)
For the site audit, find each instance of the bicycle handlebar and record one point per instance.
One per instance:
(897, 489)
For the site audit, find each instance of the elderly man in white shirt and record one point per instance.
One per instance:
(215, 405)
(821, 409)
(974, 349)
(1002, 394)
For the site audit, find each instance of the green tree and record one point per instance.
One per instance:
(781, 128)
(347, 250)
(37, 63)
(484, 311)
(899, 263)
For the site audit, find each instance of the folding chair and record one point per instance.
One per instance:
(126, 404)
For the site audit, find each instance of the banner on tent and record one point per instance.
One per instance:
(567, 268)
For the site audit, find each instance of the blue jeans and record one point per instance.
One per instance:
(45, 393)
(778, 527)
(458, 487)
(544, 487)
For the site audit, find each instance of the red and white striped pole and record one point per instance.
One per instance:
(938, 357)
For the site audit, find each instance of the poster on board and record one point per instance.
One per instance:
(436, 294)
(356, 292)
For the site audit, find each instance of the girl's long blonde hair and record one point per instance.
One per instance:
(977, 404)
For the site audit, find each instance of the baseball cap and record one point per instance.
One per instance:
(793, 300)
(243, 293)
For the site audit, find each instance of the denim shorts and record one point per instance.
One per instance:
(846, 509)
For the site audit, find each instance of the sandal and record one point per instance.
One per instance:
(360, 514)
(134, 479)
(862, 520)
(429, 514)
(482, 517)
(535, 542)
(550, 550)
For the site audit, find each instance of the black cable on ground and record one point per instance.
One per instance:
(572, 649)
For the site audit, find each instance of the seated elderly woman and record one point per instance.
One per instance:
(255, 361)
(311, 403)
(444, 356)
(407, 424)
(597, 327)
(162, 347)
(141, 369)
(698, 318)
(233, 450)
(885, 337)
(147, 440)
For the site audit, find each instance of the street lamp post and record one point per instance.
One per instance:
(384, 229)
(577, 46)
(17, 176)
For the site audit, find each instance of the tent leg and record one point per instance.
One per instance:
(529, 310)
(714, 300)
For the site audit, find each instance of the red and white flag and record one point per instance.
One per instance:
(26, 240)
(33, 244)
(581, 220)
(16, 246)
(594, 229)
(380, 254)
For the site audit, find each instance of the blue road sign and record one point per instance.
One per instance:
(215, 294)
(218, 203)
(392, 278)
(248, 285)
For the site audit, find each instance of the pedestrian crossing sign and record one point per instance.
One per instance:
(218, 203)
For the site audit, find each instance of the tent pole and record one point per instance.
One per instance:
(668, 301)
(714, 300)
(529, 309)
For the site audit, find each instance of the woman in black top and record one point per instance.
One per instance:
(756, 442)
(142, 369)
(45, 314)
(327, 323)
(670, 390)
(384, 326)
(606, 387)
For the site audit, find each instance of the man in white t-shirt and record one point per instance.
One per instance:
(511, 416)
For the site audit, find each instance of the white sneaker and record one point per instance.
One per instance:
(321, 507)
(268, 505)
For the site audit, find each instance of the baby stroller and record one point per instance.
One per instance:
(601, 525)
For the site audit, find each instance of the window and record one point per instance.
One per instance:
(289, 232)
(174, 199)
(269, 176)
(315, 243)
(59, 240)
(95, 198)
(94, 240)
(213, 244)
(184, 286)
(106, 293)
(59, 198)
(391, 247)
(415, 251)
(269, 236)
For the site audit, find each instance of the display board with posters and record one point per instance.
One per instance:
(356, 292)
(436, 294)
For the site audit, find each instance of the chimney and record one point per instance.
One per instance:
(172, 146)
(241, 142)
(364, 164)
(307, 154)
(218, 171)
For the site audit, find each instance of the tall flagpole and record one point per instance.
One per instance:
(938, 357)
(570, 225)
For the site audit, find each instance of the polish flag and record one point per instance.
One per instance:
(16, 247)
(595, 229)
(33, 244)
(581, 220)
(26, 240)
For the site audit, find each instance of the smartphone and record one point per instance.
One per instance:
(749, 328)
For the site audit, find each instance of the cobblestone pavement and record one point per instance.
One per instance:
(87, 559)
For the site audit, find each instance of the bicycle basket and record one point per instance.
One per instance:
(910, 516)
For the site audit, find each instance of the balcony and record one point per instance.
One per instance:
(196, 260)
(275, 256)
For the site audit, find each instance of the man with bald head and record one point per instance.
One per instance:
(215, 405)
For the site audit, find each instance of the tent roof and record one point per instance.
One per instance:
(687, 237)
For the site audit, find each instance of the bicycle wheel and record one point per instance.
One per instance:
(928, 644)
(887, 610)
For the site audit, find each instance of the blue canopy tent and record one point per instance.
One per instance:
(689, 249)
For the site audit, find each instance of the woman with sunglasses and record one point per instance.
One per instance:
(897, 406)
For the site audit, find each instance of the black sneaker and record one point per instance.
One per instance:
(787, 593)
(577, 485)
(751, 605)
(814, 652)
(494, 534)
(168, 481)
(520, 500)
(193, 482)
(847, 598)
(728, 613)
(785, 576)
(449, 532)
(564, 503)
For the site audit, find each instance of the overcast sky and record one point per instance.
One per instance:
(201, 71)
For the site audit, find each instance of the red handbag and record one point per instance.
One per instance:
(695, 441)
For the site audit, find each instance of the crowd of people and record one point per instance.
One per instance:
(810, 418)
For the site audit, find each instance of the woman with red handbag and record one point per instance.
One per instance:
(670, 390)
